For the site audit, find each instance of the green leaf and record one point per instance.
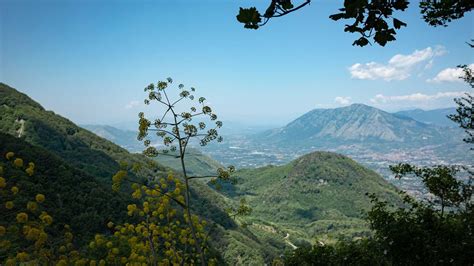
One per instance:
(270, 10)
(382, 37)
(337, 16)
(361, 42)
(400, 4)
(250, 17)
(287, 5)
(398, 24)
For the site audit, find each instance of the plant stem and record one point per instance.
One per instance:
(186, 182)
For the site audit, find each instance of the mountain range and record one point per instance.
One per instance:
(433, 117)
(355, 124)
(371, 136)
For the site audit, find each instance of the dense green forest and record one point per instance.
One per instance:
(74, 196)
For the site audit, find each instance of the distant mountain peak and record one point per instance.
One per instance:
(361, 105)
(354, 123)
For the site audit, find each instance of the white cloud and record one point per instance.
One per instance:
(132, 104)
(415, 97)
(416, 100)
(342, 100)
(450, 75)
(399, 67)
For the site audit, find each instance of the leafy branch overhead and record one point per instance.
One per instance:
(440, 13)
(252, 18)
(372, 19)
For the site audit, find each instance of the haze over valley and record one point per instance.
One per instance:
(370, 136)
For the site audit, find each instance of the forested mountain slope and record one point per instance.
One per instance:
(24, 118)
(73, 196)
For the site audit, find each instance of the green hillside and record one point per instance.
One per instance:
(26, 119)
(73, 196)
(319, 195)
(98, 159)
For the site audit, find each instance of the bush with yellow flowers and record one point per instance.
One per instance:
(161, 235)
(24, 237)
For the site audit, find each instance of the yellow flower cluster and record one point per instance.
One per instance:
(26, 241)
(30, 170)
(40, 198)
(9, 205)
(161, 236)
(14, 190)
(22, 256)
(9, 155)
(46, 218)
(18, 162)
(117, 179)
(22, 217)
(32, 206)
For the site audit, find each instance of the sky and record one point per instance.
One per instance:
(90, 60)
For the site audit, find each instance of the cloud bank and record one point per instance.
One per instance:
(399, 67)
(416, 97)
(450, 75)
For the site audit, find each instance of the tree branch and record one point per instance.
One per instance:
(292, 10)
(162, 130)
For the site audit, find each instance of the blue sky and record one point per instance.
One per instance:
(90, 60)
